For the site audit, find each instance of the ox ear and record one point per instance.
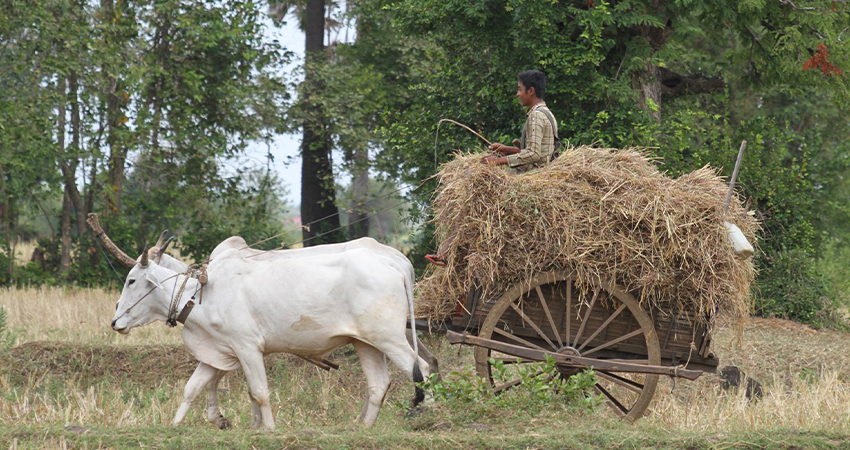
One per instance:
(154, 282)
(161, 251)
(144, 261)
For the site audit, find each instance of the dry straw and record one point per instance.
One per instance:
(600, 213)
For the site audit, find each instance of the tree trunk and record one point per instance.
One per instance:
(73, 192)
(65, 258)
(358, 160)
(92, 187)
(649, 86)
(358, 224)
(68, 163)
(648, 80)
(7, 222)
(318, 200)
(114, 120)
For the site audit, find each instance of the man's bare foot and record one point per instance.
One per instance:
(436, 260)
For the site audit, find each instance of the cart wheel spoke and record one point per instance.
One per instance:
(604, 325)
(568, 310)
(587, 314)
(533, 326)
(617, 406)
(517, 339)
(549, 316)
(612, 342)
(510, 384)
(504, 387)
(511, 360)
(625, 382)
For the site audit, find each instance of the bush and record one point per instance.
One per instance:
(7, 338)
(541, 386)
(792, 287)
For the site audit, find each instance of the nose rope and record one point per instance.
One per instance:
(143, 297)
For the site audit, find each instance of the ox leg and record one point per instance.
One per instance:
(258, 386)
(256, 417)
(202, 376)
(375, 369)
(424, 353)
(408, 361)
(213, 411)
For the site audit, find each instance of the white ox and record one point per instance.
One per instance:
(394, 257)
(306, 306)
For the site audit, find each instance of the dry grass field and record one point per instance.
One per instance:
(68, 381)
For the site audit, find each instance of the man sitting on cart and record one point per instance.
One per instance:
(536, 146)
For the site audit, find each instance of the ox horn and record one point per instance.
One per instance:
(161, 250)
(144, 261)
(161, 238)
(107, 243)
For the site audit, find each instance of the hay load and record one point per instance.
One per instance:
(600, 213)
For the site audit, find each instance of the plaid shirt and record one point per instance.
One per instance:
(538, 143)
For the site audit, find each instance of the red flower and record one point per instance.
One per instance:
(821, 60)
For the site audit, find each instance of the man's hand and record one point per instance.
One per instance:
(495, 160)
(502, 149)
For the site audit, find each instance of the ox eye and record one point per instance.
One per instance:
(130, 282)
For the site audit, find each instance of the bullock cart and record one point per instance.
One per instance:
(598, 260)
(605, 329)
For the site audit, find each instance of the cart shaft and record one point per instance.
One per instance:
(569, 360)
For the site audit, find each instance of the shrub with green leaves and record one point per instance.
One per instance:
(7, 339)
(540, 384)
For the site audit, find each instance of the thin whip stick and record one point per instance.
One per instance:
(458, 124)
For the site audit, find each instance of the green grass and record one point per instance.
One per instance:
(586, 433)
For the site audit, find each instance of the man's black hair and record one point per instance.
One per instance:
(534, 79)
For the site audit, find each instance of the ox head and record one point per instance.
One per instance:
(143, 299)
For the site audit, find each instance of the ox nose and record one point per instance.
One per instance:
(113, 323)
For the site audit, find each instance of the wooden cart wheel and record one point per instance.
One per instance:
(548, 314)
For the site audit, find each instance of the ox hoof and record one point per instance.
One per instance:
(417, 411)
(223, 423)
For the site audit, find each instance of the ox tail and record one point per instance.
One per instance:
(419, 395)
(408, 285)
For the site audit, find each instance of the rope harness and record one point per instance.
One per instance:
(143, 297)
(198, 272)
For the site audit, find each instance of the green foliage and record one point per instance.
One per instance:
(791, 287)
(465, 57)
(832, 263)
(161, 99)
(541, 386)
(7, 338)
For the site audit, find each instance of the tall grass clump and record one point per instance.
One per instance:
(79, 315)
